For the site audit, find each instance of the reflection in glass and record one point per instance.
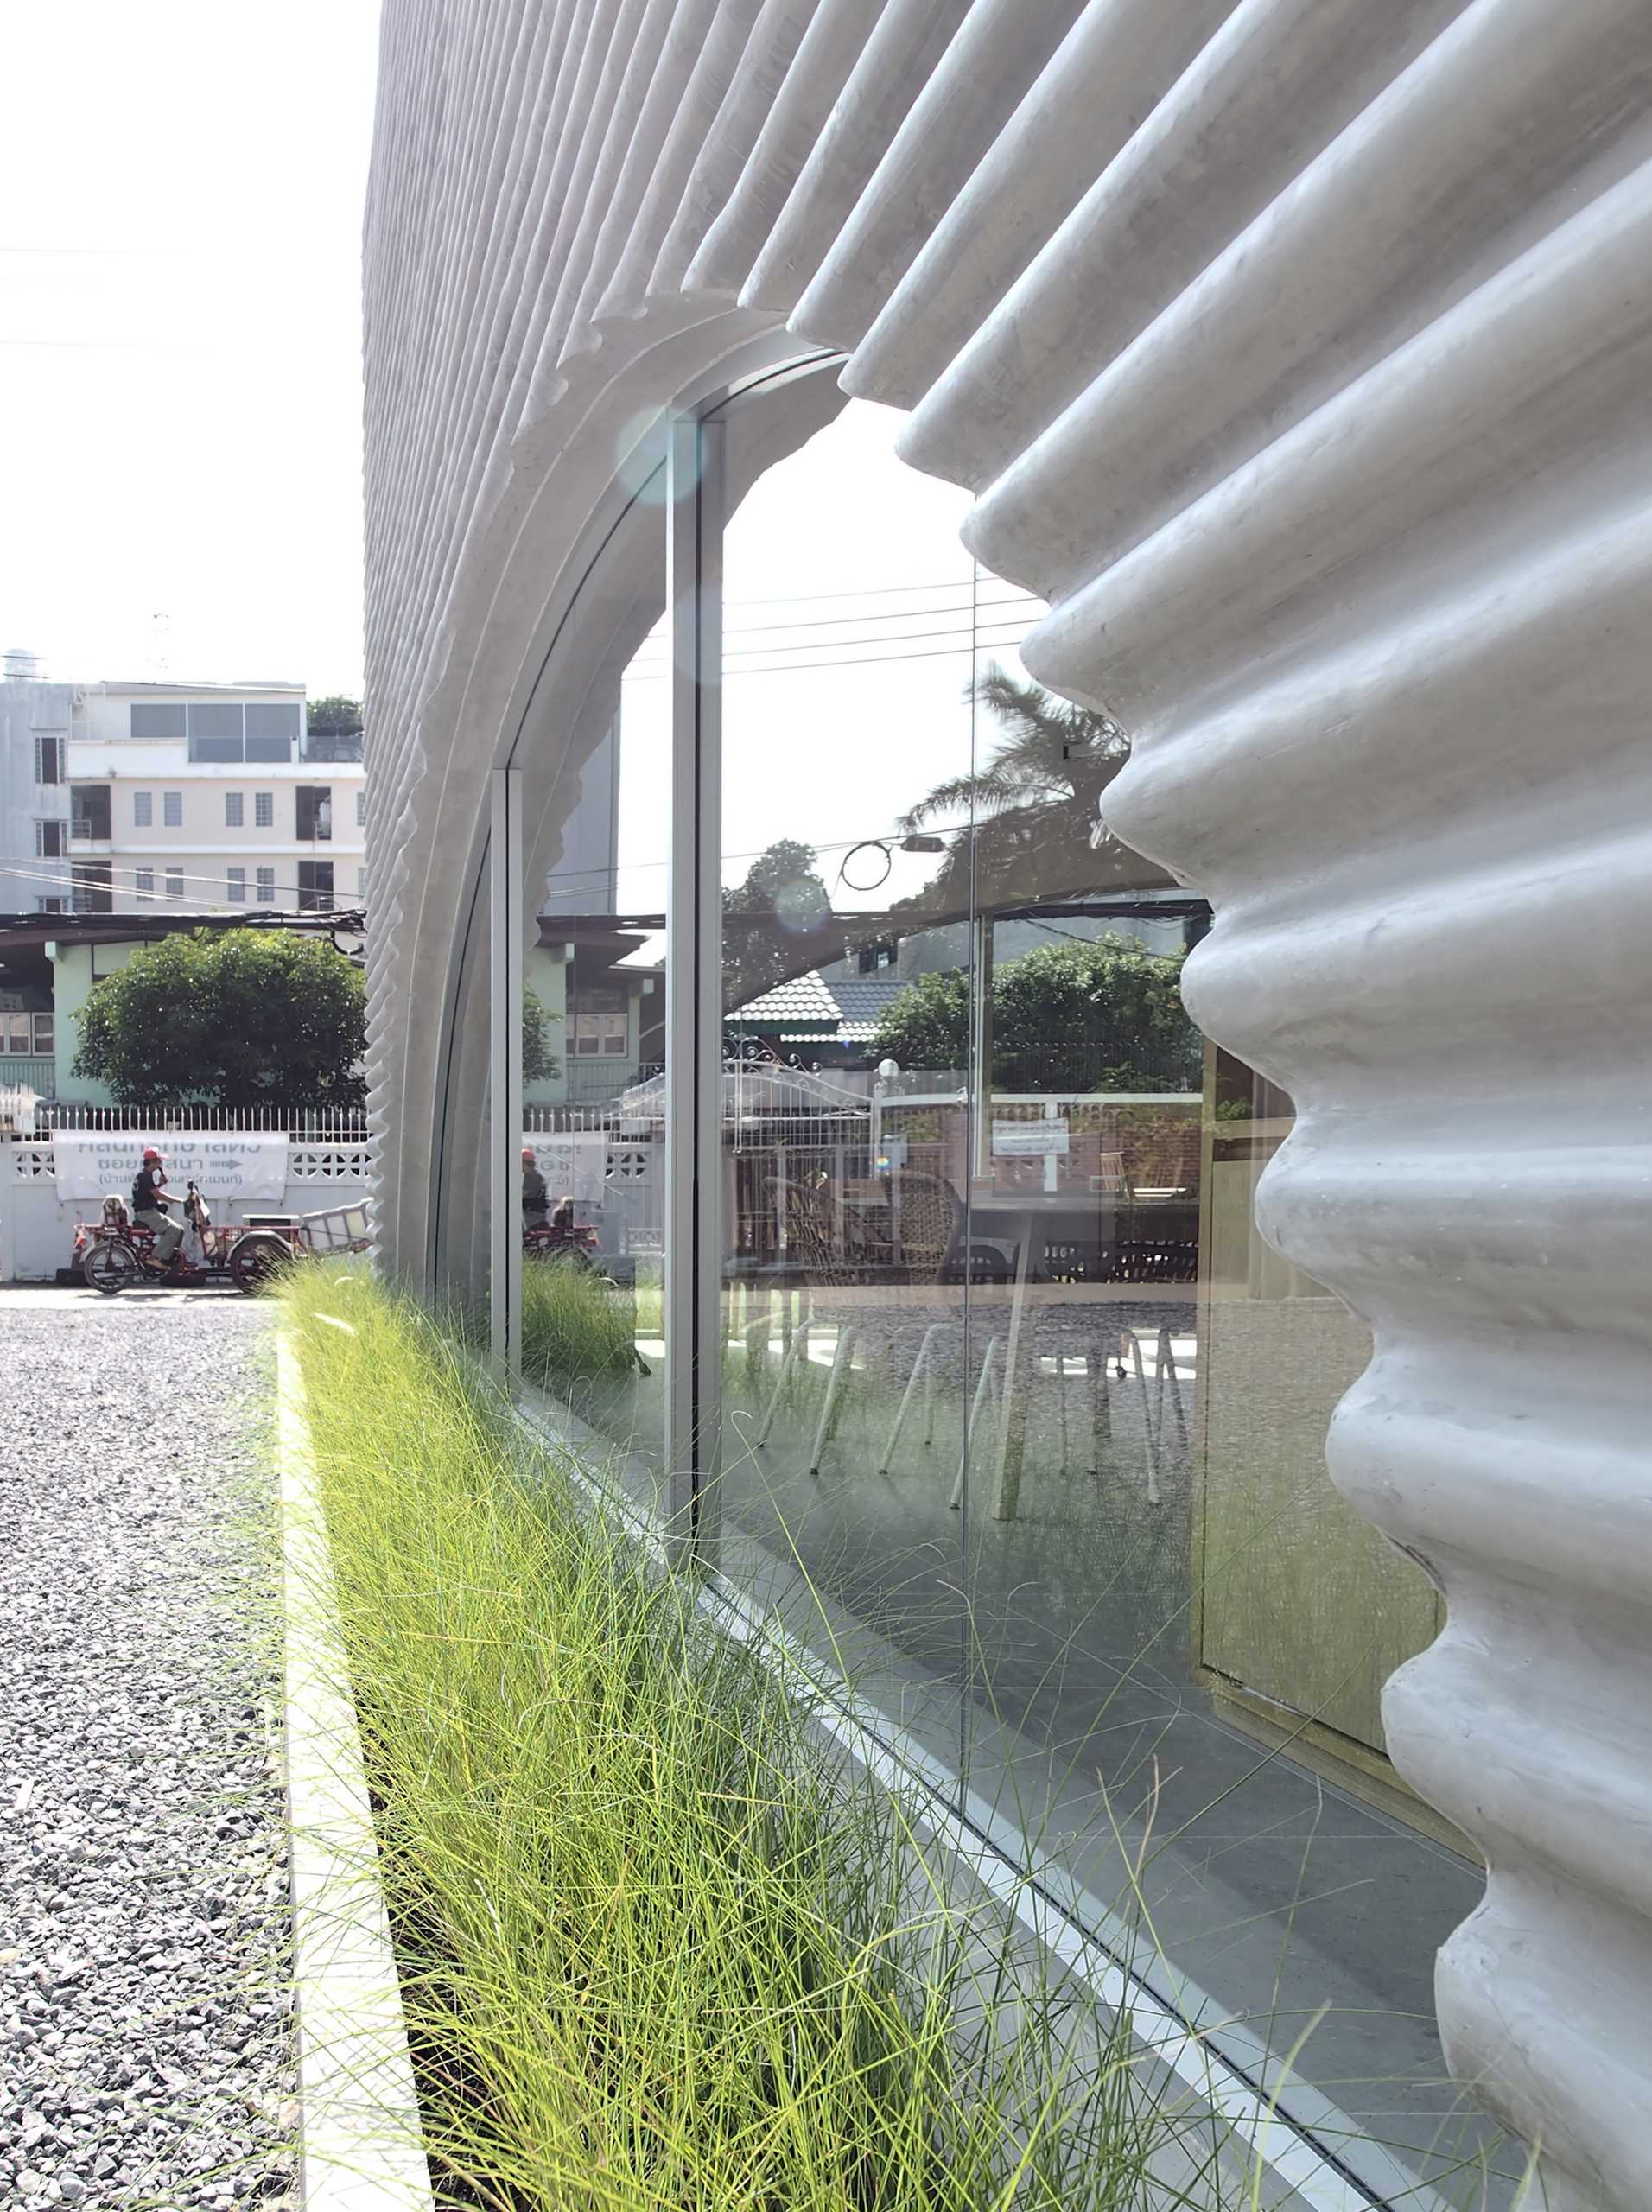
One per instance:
(594, 1030)
(1023, 1422)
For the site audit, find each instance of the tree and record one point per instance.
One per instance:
(538, 1061)
(229, 1018)
(790, 907)
(1084, 1017)
(1036, 807)
(333, 716)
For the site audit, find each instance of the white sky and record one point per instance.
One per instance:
(180, 337)
(847, 646)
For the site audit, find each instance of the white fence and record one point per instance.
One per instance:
(37, 1222)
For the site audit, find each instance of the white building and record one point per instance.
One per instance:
(208, 796)
(1294, 356)
(34, 723)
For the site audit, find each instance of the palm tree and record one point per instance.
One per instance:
(1035, 805)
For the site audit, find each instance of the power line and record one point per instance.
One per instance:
(870, 660)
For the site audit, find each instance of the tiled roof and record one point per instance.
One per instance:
(851, 1004)
(801, 998)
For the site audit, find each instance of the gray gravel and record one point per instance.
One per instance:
(145, 2033)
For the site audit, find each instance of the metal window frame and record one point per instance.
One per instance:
(505, 977)
(695, 517)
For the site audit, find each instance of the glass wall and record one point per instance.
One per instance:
(1022, 1425)
(596, 768)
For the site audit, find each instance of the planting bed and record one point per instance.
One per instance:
(657, 1949)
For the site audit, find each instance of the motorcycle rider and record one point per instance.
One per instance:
(535, 1199)
(150, 1204)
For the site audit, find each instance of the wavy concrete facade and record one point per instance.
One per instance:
(1301, 354)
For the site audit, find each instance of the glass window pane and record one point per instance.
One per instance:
(850, 1369)
(268, 748)
(596, 793)
(277, 719)
(214, 718)
(1018, 1407)
(158, 718)
(215, 749)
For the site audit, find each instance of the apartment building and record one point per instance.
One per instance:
(35, 720)
(209, 797)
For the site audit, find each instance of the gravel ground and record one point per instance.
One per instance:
(145, 2053)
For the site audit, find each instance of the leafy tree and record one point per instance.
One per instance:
(539, 1062)
(790, 929)
(1035, 805)
(229, 1018)
(333, 716)
(1101, 1016)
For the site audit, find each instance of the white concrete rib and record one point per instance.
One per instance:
(1300, 349)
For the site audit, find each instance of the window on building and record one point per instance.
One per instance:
(237, 886)
(50, 840)
(266, 887)
(172, 810)
(158, 718)
(174, 883)
(361, 808)
(263, 810)
(234, 810)
(45, 1028)
(49, 758)
(315, 806)
(224, 730)
(89, 811)
(144, 883)
(51, 905)
(143, 809)
(314, 886)
(272, 729)
(91, 890)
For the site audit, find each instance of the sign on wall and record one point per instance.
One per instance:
(253, 1166)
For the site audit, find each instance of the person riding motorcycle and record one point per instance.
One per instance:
(150, 1204)
(535, 1199)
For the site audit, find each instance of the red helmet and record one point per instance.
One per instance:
(149, 1154)
(527, 1151)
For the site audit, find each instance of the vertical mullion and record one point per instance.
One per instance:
(504, 1072)
(694, 981)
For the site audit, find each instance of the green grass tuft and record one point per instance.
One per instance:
(659, 1949)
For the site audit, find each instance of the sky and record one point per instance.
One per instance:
(180, 202)
(854, 619)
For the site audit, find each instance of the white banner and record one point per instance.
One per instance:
(574, 1162)
(226, 1164)
(1030, 1140)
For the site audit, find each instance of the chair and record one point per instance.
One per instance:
(925, 1228)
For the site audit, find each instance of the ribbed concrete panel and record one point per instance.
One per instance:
(1302, 350)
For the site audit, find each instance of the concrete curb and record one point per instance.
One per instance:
(362, 2150)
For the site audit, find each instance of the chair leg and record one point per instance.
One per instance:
(841, 1359)
(929, 1405)
(923, 1366)
(1101, 1411)
(1148, 1426)
(1167, 1371)
(796, 1348)
(985, 1388)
